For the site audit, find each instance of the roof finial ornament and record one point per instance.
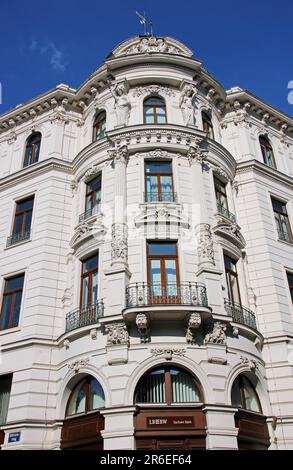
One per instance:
(143, 20)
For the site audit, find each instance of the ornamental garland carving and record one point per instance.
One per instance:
(205, 244)
(153, 90)
(218, 335)
(251, 364)
(168, 353)
(117, 334)
(152, 44)
(119, 253)
(77, 365)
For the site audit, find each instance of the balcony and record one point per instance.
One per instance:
(16, 238)
(140, 294)
(163, 196)
(241, 314)
(225, 213)
(84, 316)
(89, 213)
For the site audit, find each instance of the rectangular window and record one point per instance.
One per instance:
(5, 390)
(93, 196)
(89, 281)
(11, 302)
(282, 221)
(163, 272)
(221, 196)
(232, 280)
(158, 182)
(290, 283)
(22, 221)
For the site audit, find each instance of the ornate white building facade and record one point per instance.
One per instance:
(146, 265)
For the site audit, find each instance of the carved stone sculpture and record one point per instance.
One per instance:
(218, 335)
(119, 253)
(117, 334)
(143, 327)
(186, 104)
(205, 245)
(122, 104)
(193, 324)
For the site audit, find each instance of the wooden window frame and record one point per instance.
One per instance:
(154, 106)
(242, 393)
(24, 213)
(162, 258)
(90, 275)
(87, 409)
(11, 293)
(286, 216)
(265, 146)
(230, 273)
(34, 145)
(207, 124)
(158, 175)
(92, 192)
(99, 121)
(220, 193)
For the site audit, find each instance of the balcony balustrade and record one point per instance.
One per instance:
(163, 196)
(240, 314)
(18, 238)
(141, 294)
(84, 316)
(224, 211)
(89, 213)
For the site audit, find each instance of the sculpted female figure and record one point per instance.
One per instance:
(122, 103)
(187, 105)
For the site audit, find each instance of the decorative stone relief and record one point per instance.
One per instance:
(77, 365)
(119, 154)
(218, 335)
(117, 334)
(152, 44)
(168, 353)
(193, 324)
(187, 104)
(251, 364)
(122, 104)
(143, 327)
(92, 171)
(153, 90)
(119, 248)
(195, 154)
(205, 245)
(91, 228)
(11, 138)
(231, 231)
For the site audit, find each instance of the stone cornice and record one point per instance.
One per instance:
(35, 170)
(264, 170)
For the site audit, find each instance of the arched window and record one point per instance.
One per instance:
(243, 395)
(32, 149)
(100, 126)
(86, 396)
(207, 125)
(167, 385)
(154, 110)
(267, 151)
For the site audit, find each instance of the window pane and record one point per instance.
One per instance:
(26, 204)
(251, 399)
(162, 248)
(159, 167)
(5, 390)
(171, 277)
(77, 400)
(230, 264)
(28, 221)
(156, 277)
(234, 288)
(97, 399)
(154, 100)
(18, 224)
(151, 388)
(184, 389)
(235, 394)
(90, 264)
(16, 308)
(6, 311)
(290, 282)
(14, 283)
(85, 291)
(94, 288)
(166, 184)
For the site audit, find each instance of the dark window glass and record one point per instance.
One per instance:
(159, 182)
(32, 149)
(5, 390)
(100, 126)
(89, 281)
(282, 221)
(93, 195)
(163, 272)
(243, 395)
(23, 218)
(232, 280)
(86, 396)
(290, 282)
(221, 196)
(207, 125)
(11, 302)
(154, 110)
(267, 151)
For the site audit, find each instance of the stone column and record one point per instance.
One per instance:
(221, 430)
(118, 433)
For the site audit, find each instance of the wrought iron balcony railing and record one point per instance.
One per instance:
(163, 196)
(140, 294)
(89, 213)
(84, 316)
(240, 314)
(224, 211)
(18, 237)
(285, 236)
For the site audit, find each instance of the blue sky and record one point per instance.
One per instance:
(45, 43)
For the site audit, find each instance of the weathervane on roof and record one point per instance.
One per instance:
(143, 20)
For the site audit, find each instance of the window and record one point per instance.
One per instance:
(11, 302)
(158, 182)
(100, 126)
(154, 109)
(163, 272)
(22, 221)
(290, 283)
(93, 196)
(5, 389)
(243, 395)
(232, 280)
(221, 196)
(89, 281)
(32, 150)
(282, 221)
(87, 395)
(267, 151)
(167, 385)
(207, 125)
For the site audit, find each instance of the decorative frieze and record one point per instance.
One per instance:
(205, 248)
(117, 334)
(153, 90)
(168, 353)
(217, 335)
(77, 365)
(251, 364)
(119, 246)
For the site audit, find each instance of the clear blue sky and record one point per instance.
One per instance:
(43, 43)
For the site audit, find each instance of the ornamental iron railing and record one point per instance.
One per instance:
(18, 238)
(224, 211)
(89, 213)
(163, 196)
(240, 314)
(141, 294)
(84, 316)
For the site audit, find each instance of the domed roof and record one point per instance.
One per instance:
(150, 45)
